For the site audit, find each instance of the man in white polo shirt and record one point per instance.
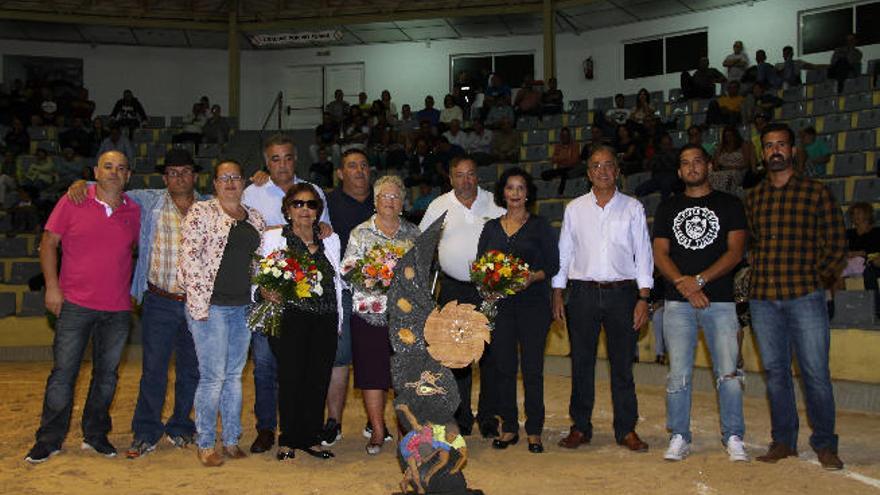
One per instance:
(467, 208)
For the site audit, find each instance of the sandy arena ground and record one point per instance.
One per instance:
(596, 468)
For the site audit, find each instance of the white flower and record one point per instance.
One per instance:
(276, 272)
(267, 270)
(282, 263)
(320, 276)
(270, 262)
(318, 289)
(288, 276)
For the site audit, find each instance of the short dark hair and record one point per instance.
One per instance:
(278, 140)
(531, 189)
(461, 158)
(810, 130)
(690, 146)
(352, 151)
(298, 188)
(777, 127)
(866, 207)
(233, 162)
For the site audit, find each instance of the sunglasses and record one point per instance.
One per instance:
(312, 204)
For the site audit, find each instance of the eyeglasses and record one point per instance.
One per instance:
(389, 196)
(606, 166)
(312, 204)
(179, 173)
(229, 178)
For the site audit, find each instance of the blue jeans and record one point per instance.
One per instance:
(265, 383)
(165, 331)
(681, 323)
(109, 331)
(221, 344)
(800, 324)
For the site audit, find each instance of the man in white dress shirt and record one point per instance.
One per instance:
(605, 259)
(468, 207)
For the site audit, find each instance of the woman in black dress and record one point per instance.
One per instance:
(524, 318)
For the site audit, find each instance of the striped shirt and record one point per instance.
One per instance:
(163, 262)
(798, 241)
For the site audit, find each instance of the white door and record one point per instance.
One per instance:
(303, 96)
(347, 77)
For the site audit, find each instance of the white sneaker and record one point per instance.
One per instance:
(736, 449)
(678, 449)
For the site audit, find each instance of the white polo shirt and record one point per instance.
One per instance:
(461, 234)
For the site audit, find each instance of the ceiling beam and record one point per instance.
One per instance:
(105, 20)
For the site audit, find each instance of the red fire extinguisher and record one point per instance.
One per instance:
(588, 68)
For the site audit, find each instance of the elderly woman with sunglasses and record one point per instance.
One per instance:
(219, 239)
(306, 346)
(370, 345)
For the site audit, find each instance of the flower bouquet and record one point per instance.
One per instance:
(294, 277)
(498, 275)
(372, 276)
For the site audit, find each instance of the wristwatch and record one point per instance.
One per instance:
(700, 280)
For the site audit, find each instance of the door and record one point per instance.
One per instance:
(347, 77)
(308, 88)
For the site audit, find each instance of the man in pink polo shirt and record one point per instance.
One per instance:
(90, 299)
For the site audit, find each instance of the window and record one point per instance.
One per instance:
(668, 54)
(825, 30)
(474, 70)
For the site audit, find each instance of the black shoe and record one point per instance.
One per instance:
(320, 454)
(41, 452)
(264, 441)
(536, 448)
(465, 430)
(489, 429)
(331, 433)
(100, 445)
(285, 453)
(368, 433)
(503, 444)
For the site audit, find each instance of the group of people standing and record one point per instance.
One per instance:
(195, 263)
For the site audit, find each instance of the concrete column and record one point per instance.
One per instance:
(234, 109)
(549, 40)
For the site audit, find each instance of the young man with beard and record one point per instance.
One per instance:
(699, 237)
(798, 250)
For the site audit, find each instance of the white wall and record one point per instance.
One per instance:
(168, 80)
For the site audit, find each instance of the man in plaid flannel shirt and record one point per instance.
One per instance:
(798, 250)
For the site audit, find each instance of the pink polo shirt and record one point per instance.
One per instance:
(96, 251)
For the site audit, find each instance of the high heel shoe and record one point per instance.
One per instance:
(320, 454)
(498, 443)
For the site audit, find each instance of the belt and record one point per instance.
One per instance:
(164, 293)
(605, 285)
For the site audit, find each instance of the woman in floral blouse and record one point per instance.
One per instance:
(370, 345)
(218, 241)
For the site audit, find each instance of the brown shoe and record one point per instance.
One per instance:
(265, 440)
(233, 452)
(633, 442)
(829, 460)
(777, 451)
(575, 439)
(209, 457)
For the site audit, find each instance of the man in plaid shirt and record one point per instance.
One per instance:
(798, 250)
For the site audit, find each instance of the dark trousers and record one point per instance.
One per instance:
(524, 325)
(690, 88)
(870, 276)
(590, 309)
(165, 332)
(453, 290)
(304, 353)
(109, 331)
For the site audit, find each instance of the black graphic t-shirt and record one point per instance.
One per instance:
(697, 230)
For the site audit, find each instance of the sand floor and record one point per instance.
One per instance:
(601, 467)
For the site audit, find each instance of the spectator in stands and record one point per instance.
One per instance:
(90, 300)
(765, 73)
(846, 62)
(501, 111)
(18, 141)
(81, 106)
(100, 132)
(321, 170)
(421, 166)
(128, 112)
(552, 99)
(863, 243)
(813, 154)
(357, 133)
(616, 116)
(479, 144)
(338, 108)
(664, 171)
(68, 166)
(758, 101)
(193, 124)
(450, 112)
(363, 103)
(77, 138)
(737, 62)
(702, 83)
(420, 205)
(497, 89)
(789, 69)
(390, 107)
(456, 136)
(399, 152)
(506, 142)
(216, 128)
(727, 108)
(41, 173)
(117, 142)
(429, 113)
(444, 153)
(695, 136)
(643, 108)
(326, 136)
(49, 108)
(379, 141)
(8, 188)
(406, 125)
(733, 158)
(566, 161)
(597, 138)
(789, 275)
(629, 153)
(528, 100)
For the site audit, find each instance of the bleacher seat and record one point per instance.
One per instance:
(603, 103)
(793, 110)
(868, 118)
(190, 147)
(207, 164)
(176, 122)
(867, 190)
(536, 136)
(156, 151)
(143, 165)
(137, 181)
(551, 121)
(859, 101)
(802, 123)
(816, 76)
(698, 118)
(33, 304)
(635, 180)
(7, 304)
(209, 150)
(629, 100)
(579, 106)
(825, 89)
(830, 141)
(822, 106)
(537, 168)
(154, 181)
(679, 138)
(576, 187)
(533, 153)
(837, 188)
(657, 99)
(853, 308)
(37, 133)
(860, 140)
(22, 271)
(527, 122)
(650, 202)
(166, 136)
(700, 106)
(155, 122)
(674, 94)
(857, 84)
(13, 247)
(836, 122)
(796, 93)
(546, 189)
(551, 210)
(49, 146)
(143, 136)
(487, 174)
(849, 164)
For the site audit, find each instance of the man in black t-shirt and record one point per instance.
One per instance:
(699, 237)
